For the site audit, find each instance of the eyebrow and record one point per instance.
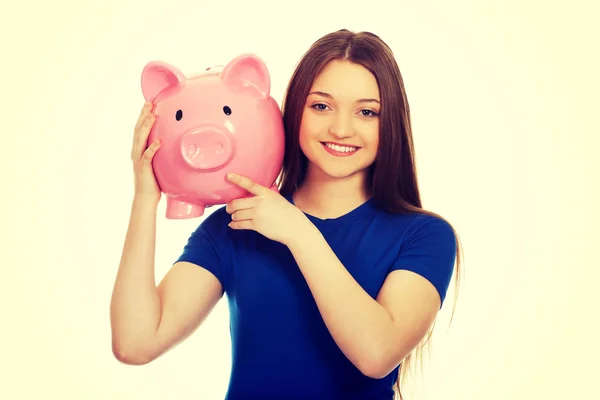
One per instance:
(331, 97)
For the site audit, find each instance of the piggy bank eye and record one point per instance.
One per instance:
(179, 115)
(227, 110)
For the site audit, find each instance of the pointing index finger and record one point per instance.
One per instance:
(247, 184)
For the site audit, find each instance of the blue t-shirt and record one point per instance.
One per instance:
(281, 348)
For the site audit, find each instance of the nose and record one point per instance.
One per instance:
(341, 126)
(207, 148)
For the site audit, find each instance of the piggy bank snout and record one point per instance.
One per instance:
(207, 148)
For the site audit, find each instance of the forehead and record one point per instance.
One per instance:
(343, 79)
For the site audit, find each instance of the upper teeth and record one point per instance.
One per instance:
(343, 149)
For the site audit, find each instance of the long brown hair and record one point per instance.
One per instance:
(392, 178)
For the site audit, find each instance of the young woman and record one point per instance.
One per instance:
(333, 282)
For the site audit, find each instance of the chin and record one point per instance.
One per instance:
(339, 169)
(340, 172)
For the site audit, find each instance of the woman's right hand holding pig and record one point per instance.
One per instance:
(146, 186)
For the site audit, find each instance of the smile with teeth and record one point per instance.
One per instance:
(341, 149)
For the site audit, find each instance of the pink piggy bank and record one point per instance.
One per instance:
(219, 121)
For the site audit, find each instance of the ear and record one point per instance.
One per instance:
(248, 69)
(157, 76)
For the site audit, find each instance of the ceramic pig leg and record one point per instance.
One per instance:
(177, 209)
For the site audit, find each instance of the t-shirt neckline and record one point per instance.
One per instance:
(361, 210)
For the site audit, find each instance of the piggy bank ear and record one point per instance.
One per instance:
(248, 69)
(157, 76)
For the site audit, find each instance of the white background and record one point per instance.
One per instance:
(504, 101)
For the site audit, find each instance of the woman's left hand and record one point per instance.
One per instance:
(266, 212)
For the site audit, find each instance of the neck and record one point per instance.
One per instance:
(328, 197)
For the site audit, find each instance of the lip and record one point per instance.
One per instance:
(339, 153)
(341, 144)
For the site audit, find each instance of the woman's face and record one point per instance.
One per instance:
(339, 133)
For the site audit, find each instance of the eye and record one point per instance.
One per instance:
(179, 115)
(369, 113)
(319, 106)
(227, 110)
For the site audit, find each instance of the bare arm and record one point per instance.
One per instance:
(135, 308)
(147, 320)
(374, 334)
